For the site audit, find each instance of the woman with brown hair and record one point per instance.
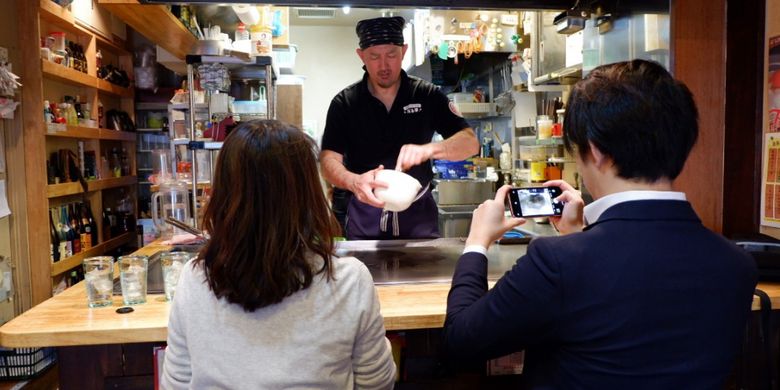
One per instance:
(266, 304)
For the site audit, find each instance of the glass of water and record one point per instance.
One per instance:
(132, 274)
(99, 278)
(172, 264)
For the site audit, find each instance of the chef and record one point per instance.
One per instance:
(387, 120)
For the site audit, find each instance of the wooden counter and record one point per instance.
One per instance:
(65, 320)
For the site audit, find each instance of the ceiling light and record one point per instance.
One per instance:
(346, 9)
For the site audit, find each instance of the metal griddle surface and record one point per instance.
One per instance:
(423, 261)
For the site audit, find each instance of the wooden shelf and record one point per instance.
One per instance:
(151, 106)
(67, 75)
(54, 13)
(155, 23)
(45, 80)
(65, 189)
(94, 133)
(74, 77)
(67, 264)
(110, 46)
(105, 86)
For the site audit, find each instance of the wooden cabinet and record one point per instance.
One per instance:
(47, 80)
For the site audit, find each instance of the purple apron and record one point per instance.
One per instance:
(366, 222)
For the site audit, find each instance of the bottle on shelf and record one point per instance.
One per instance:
(261, 34)
(55, 241)
(73, 279)
(84, 228)
(67, 234)
(91, 224)
(242, 33)
(59, 116)
(125, 215)
(98, 59)
(79, 113)
(125, 163)
(51, 173)
(110, 228)
(101, 119)
(48, 116)
(115, 164)
(74, 228)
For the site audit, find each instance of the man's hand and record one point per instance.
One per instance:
(411, 155)
(488, 223)
(570, 220)
(363, 187)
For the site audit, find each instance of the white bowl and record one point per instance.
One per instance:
(401, 189)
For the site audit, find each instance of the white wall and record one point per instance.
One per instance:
(326, 57)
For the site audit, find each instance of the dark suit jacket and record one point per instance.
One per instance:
(646, 297)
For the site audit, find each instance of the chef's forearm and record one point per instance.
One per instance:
(460, 146)
(334, 172)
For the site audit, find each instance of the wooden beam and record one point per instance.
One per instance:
(699, 60)
(34, 142)
(744, 115)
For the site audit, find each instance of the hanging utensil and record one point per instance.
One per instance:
(185, 227)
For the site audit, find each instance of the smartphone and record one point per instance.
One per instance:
(535, 202)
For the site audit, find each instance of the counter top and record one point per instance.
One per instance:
(65, 320)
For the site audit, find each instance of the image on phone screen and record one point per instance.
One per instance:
(535, 202)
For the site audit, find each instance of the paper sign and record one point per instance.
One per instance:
(770, 192)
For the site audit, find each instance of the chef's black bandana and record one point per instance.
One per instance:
(381, 31)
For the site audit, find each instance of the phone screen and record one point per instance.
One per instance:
(535, 202)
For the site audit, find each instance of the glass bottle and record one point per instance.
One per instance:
(74, 228)
(92, 225)
(66, 232)
(54, 247)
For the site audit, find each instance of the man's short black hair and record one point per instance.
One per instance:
(636, 113)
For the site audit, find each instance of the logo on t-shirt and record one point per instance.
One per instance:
(412, 108)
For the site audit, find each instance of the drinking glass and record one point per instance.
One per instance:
(172, 264)
(99, 278)
(132, 274)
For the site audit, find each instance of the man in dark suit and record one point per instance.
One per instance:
(636, 293)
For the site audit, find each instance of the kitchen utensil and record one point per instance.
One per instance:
(402, 189)
(185, 227)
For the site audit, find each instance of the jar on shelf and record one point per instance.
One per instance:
(57, 42)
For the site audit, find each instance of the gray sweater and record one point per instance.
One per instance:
(328, 336)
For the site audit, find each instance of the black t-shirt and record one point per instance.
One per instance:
(360, 128)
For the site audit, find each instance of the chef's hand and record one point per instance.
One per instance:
(571, 220)
(488, 223)
(411, 155)
(363, 187)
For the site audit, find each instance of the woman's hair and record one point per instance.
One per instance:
(266, 217)
(636, 113)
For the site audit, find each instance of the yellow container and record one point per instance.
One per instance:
(538, 171)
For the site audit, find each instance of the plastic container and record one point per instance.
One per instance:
(249, 107)
(262, 41)
(285, 57)
(242, 34)
(58, 43)
(461, 97)
(452, 169)
(543, 127)
(532, 152)
(25, 363)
